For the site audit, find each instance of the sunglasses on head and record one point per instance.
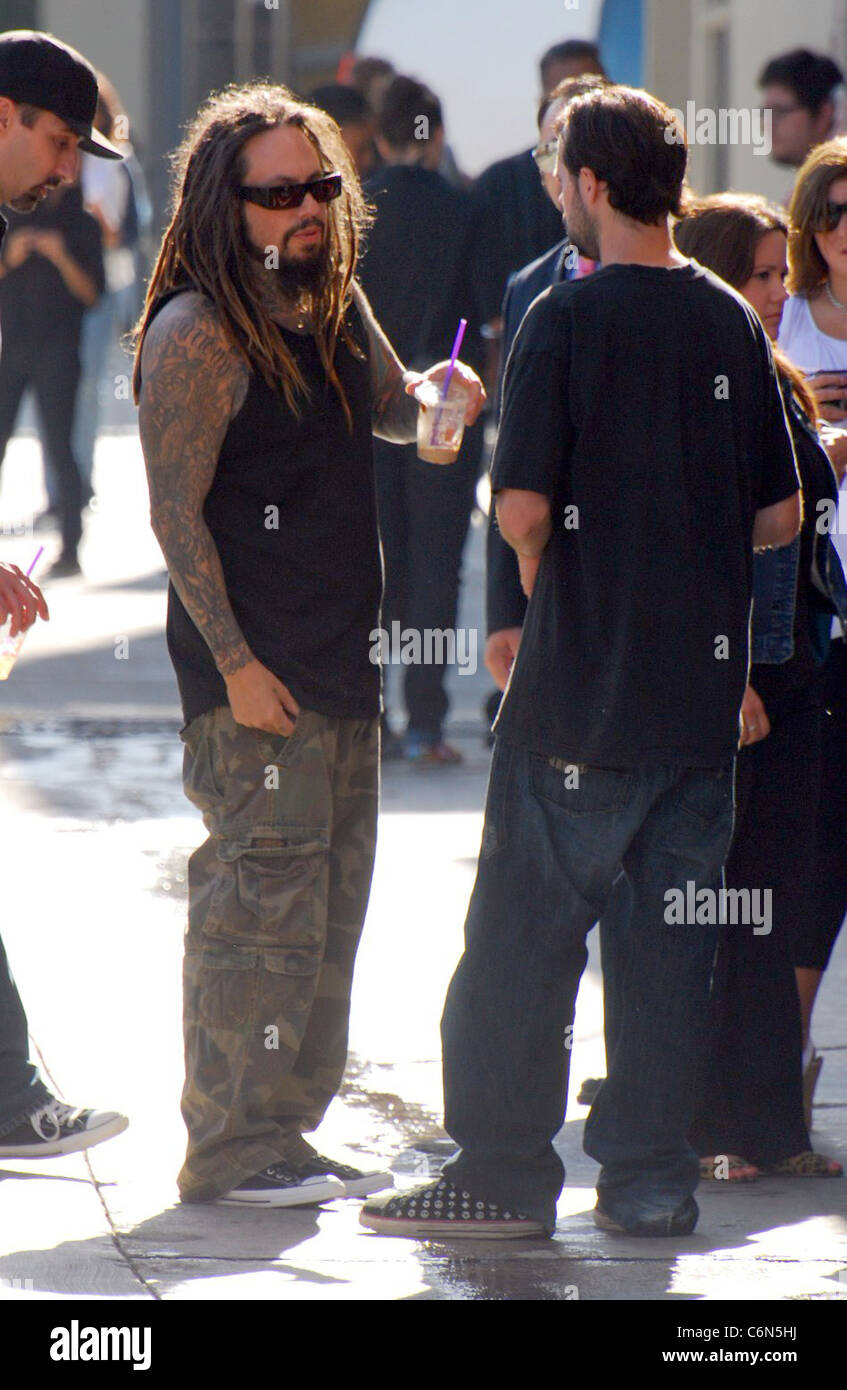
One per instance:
(291, 195)
(831, 216)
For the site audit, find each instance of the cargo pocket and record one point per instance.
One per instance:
(199, 779)
(271, 892)
(286, 995)
(220, 985)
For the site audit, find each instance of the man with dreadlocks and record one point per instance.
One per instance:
(261, 375)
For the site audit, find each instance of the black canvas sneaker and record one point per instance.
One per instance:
(439, 1210)
(356, 1183)
(280, 1185)
(57, 1128)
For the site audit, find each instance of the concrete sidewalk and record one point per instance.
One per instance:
(96, 834)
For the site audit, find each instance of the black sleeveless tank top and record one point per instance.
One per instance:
(292, 512)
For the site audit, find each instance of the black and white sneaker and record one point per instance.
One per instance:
(438, 1210)
(58, 1128)
(280, 1185)
(356, 1183)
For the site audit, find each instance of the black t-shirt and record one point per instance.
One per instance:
(34, 296)
(292, 512)
(646, 398)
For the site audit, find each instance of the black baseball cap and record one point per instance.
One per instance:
(42, 71)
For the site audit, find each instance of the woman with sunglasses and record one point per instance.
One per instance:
(750, 1112)
(814, 335)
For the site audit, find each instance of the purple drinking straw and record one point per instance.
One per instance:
(38, 556)
(457, 343)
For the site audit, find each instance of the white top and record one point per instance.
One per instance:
(105, 183)
(814, 351)
(106, 186)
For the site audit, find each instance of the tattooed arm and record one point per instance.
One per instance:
(395, 414)
(395, 411)
(193, 383)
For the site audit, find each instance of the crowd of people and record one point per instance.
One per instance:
(664, 764)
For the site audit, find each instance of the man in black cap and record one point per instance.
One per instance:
(48, 98)
(48, 95)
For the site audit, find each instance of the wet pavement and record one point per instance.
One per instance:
(96, 833)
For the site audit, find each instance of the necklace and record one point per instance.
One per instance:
(836, 302)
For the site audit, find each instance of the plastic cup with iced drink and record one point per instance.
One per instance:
(10, 646)
(441, 422)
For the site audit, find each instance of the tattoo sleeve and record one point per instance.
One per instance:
(192, 384)
(395, 415)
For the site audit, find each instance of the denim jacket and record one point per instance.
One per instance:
(775, 575)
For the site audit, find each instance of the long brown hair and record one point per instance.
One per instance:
(807, 268)
(723, 232)
(204, 247)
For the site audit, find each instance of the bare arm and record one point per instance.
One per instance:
(395, 414)
(525, 524)
(524, 520)
(193, 383)
(777, 525)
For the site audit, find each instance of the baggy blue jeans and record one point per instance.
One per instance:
(552, 847)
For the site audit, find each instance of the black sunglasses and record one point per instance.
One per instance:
(291, 195)
(831, 216)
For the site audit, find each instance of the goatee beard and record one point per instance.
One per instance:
(294, 278)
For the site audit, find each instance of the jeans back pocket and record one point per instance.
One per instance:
(579, 790)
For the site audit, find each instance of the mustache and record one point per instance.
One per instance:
(304, 226)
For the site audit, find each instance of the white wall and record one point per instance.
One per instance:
(112, 34)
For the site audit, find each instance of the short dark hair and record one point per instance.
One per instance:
(810, 76)
(365, 70)
(343, 103)
(568, 88)
(569, 52)
(404, 101)
(622, 134)
(29, 114)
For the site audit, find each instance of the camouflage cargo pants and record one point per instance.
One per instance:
(277, 899)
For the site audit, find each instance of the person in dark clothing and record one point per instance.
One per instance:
(618, 731)
(51, 272)
(261, 379)
(750, 1107)
(48, 97)
(416, 273)
(515, 222)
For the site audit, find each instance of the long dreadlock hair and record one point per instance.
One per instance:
(205, 248)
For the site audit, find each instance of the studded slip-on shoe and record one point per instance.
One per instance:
(438, 1210)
